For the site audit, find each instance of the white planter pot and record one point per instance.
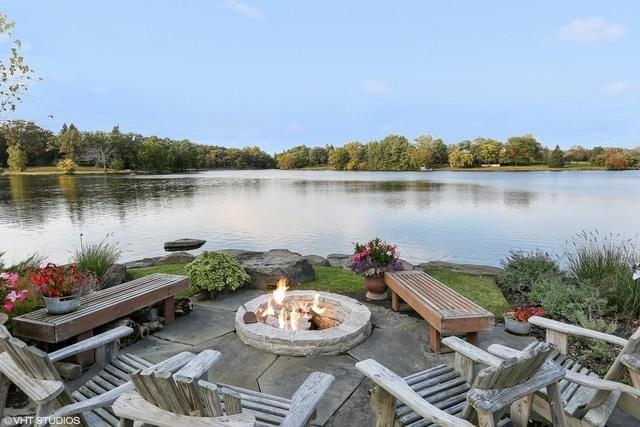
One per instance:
(515, 326)
(62, 305)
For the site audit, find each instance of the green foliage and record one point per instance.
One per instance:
(596, 354)
(15, 74)
(69, 140)
(522, 270)
(461, 158)
(216, 271)
(564, 299)
(96, 257)
(606, 263)
(339, 158)
(523, 150)
(428, 151)
(68, 166)
(17, 159)
(37, 143)
(117, 164)
(393, 153)
(556, 158)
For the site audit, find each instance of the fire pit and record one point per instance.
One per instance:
(304, 323)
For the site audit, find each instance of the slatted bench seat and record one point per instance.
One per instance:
(102, 307)
(446, 311)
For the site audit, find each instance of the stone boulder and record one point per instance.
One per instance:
(265, 268)
(175, 258)
(141, 263)
(316, 260)
(115, 275)
(183, 244)
(339, 260)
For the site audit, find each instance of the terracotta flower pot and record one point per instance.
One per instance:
(376, 288)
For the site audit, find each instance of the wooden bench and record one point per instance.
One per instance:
(102, 307)
(446, 311)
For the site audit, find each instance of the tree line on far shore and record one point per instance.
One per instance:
(24, 144)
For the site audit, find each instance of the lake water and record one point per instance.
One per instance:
(467, 217)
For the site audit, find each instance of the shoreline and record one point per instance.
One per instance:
(515, 169)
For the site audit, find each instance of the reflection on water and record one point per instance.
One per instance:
(462, 217)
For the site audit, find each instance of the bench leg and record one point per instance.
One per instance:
(395, 303)
(434, 339)
(472, 338)
(86, 357)
(169, 309)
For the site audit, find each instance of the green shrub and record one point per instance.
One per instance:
(68, 166)
(96, 257)
(597, 355)
(521, 270)
(216, 271)
(606, 263)
(563, 299)
(117, 164)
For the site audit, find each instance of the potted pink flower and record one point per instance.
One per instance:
(9, 293)
(371, 260)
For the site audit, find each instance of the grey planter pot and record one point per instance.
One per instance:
(61, 305)
(515, 326)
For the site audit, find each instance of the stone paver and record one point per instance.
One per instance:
(398, 341)
(231, 302)
(201, 325)
(241, 365)
(287, 374)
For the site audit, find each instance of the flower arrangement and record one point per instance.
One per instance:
(54, 281)
(522, 314)
(374, 258)
(9, 292)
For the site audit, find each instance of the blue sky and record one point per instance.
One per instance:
(278, 74)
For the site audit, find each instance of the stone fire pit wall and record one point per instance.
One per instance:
(354, 328)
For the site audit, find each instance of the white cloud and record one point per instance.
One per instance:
(295, 128)
(375, 87)
(617, 88)
(243, 8)
(591, 31)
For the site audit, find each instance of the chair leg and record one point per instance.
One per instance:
(384, 406)
(486, 419)
(558, 417)
(434, 339)
(520, 411)
(4, 390)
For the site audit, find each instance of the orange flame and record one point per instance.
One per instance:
(280, 291)
(282, 320)
(295, 315)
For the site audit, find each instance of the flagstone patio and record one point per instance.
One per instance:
(398, 341)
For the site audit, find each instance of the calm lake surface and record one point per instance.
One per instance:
(469, 217)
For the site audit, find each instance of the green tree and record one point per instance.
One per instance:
(34, 140)
(523, 150)
(17, 160)
(461, 158)
(318, 156)
(154, 155)
(556, 158)
(15, 74)
(100, 147)
(69, 140)
(287, 161)
(339, 158)
(487, 150)
(392, 153)
(357, 156)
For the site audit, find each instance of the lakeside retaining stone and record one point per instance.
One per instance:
(115, 275)
(316, 260)
(339, 260)
(265, 268)
(175, 258)
(142, 263)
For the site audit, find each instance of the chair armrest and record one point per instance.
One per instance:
(306, 399)
(573, 377)
(91, 343)
(565, 328)
(99, 401)
(398, 388)
(471, 351)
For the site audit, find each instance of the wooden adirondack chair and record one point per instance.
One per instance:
(589, 400)
(89, 394)
(444, 396)
(185, 399)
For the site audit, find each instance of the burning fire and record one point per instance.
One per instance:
(292, 316)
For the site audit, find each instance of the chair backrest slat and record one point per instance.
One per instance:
(513, 371)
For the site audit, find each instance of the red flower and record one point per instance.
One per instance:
(522, 314)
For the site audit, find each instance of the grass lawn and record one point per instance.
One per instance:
(136, 273)
(480, 289)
